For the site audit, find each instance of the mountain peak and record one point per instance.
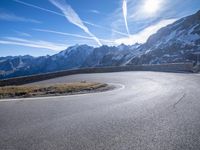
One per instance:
(198, 12)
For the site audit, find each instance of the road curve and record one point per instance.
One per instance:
(154, 111)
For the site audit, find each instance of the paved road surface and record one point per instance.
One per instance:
(154, 111)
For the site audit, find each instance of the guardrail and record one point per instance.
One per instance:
(176, 67)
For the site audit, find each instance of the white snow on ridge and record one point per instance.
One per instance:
(21, 64)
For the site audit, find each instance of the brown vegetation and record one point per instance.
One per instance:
(57, 89)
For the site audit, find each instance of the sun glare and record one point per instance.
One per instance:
(151, 6)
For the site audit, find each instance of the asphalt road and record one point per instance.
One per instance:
(152, 111)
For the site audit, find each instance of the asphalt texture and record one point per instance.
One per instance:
(147, 111)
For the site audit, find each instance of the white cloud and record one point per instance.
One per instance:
(37, 7)
(139, 14)
(107, 29)
(142, 36)
(73, 17)
(95, 11)
(60, 14)
(14, 18)
(33, 43)
(124, 9)
(47, 10)
(22, 33)
(76, 35)
(63, 33)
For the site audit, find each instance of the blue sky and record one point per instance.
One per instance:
(41, 27)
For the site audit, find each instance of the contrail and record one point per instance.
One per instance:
(124, 8)
(112, 30)
(33, 43)
(73, 35)
(73, 17)
(60, 14)
(37, 7)
(63, 33)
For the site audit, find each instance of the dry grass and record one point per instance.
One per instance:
(57, 89)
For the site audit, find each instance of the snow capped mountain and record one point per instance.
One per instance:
(174, 43)
(11, 64)
(71, 58)
(110, 56)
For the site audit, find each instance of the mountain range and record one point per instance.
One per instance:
(174, 43)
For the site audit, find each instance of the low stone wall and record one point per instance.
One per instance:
(178, 67)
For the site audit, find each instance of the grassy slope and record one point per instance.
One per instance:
(57, 89)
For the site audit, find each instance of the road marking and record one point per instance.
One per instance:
(65, 96)
(180, 99)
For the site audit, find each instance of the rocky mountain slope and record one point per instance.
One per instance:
(175, 43)
(110, 56)
(73, 57)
